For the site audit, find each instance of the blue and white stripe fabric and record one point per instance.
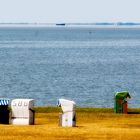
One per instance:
(4, 101)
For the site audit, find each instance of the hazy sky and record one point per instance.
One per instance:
(52, 11)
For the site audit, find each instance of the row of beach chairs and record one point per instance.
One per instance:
(22, 112)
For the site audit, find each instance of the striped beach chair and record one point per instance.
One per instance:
(4, 111)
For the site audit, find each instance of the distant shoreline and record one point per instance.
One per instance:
(94, 25)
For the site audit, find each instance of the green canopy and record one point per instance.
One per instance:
(122, 95)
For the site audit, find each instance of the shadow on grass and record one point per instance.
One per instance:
(133, 113)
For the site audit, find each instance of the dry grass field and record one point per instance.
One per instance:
(92, 123)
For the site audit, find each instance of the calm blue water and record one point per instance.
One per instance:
(87, 65)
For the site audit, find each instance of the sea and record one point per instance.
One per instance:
(85, 64)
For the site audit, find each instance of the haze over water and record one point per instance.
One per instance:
(87, 65)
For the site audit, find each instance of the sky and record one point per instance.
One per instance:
(69, 11)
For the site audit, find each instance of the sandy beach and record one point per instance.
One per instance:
(92, 123)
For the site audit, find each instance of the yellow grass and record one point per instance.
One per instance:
(91, 124)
